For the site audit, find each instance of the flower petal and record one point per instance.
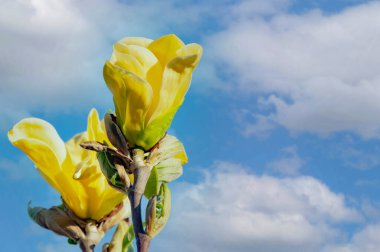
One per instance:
(88, 174)
(95, 128)
(37, 130)
(128, 62)
(145, 57)
(41, 142)
(132, 98)
(176, 79)
(165, 48)
(144, 42)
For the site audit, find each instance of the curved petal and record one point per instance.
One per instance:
(145, 57)
(128, 62)
(132, 97)
(107, 201)
(37, 130)
(188, 57)
(176, 79)
(81, 159)
(97, 193)
(144, 42)
(41, 142)
(95, 128)
(88, 172)
(165, 48)
(142, 62)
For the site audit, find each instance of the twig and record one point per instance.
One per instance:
(141, 174)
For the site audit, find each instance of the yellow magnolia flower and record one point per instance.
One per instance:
(149, 80)
(68, 168)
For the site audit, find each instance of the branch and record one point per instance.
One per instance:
(141, 174)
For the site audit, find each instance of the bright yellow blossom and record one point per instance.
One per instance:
(68, 168)
(149, 80)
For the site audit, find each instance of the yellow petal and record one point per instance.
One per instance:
(88, 174)
(132, 97)
(145, 57)
(144, 42)
(188, 57)
(182, 156)
(107, 202)
(40, 141)
(176, 79)
(191, 49)
(81, 159)
(165, 48)
(95, 128)
(37, 130)
(128, 62)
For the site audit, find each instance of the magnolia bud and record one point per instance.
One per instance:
(157, 212)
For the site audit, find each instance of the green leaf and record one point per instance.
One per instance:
(153, 185)
(128, 240)
(109, 169)
(122, 238)
(162, 204)
(169, 147)
(166, 201)
(72, 241)
(34, 211)
(169, 170)
(106, 165)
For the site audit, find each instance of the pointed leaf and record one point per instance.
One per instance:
(169, 170)
(153, 185)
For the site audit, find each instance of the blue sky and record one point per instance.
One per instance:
(280, 123)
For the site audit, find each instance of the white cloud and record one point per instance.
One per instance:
(289, 163)
(319, 72)
(233, 210)
(366, 240)
(253, 124)
(354, 156)
(53, 51)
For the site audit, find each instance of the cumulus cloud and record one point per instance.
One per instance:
(354, 156)
(53, 51)
(366, 240)
(318, 72)
(233, 210)
(289, 163)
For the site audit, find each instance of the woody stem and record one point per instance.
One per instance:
(141, 175)
(86, 246)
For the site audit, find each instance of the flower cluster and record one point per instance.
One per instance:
(102, 173)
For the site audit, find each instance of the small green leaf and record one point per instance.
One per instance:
(169, 169)
(122, 238)
(128, 240)
(109, 169)
(162, 204)
(169, 147)
(72, 241)
(153, 185)
(34, 211)
(106, 165)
